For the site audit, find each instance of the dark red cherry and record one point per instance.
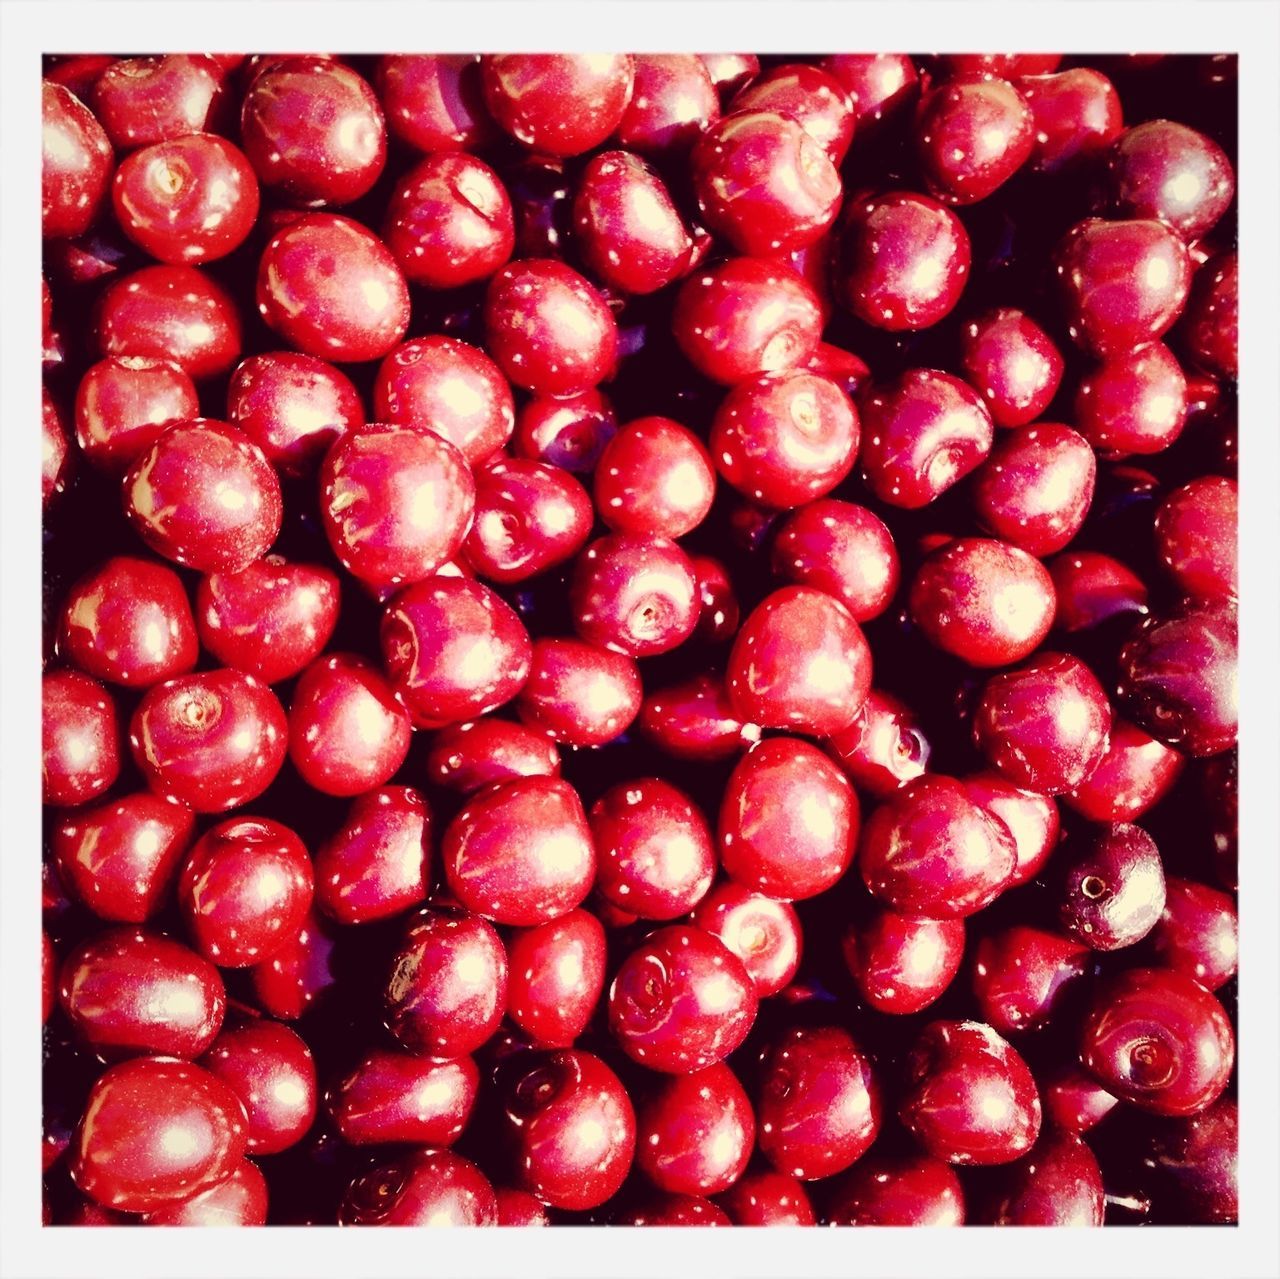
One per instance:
(433, 101)
(570, 1126)
(672, 103)
(655, 478)
(579, 694)
(298, 974)
(121, 857)
(270, 620)
(397, 1097)
(681, 1001)
(1195, 1160)
(468, 757)
(1076, 114)
(155, 1132)
(884, 748)
(902, 1190)
(920, 435)
(521, 852)
(123, 405)
(331, 288)
(745, 317)
(1113, 888)
(204, 496)
(153, 99)
(970, 1097)
(880, 86)
(1133, 402)
(1020, 975)
(983, 601)
(56, 455)
(788, 820)
(930, 850)
(1057, 1184)
(903, 964)
(80, 752)
(1210, 322)
(972, 136)
(695, 1133)
(1157, 1039)
(447, 988)
(556, 977)
(568, 431)
(549, 328)
(421, 1188)
(903, 261)
(520, 1208)
(1032, 820)
(293, 407)
(1073, 1100)
(693, 719)
(1013, 363)
(1196, 538)
(767, 1199)
(1133, 776)
(129, 622)
(1197, 933)
(718, 610)
(270, 1068)
(1092, 587)
(1123, 283)
(314, 131)
(815, 99)
(75, 163)
(240, 1200)
(449, 387)
(819, 1104)
(1044, 725)
(763, 932)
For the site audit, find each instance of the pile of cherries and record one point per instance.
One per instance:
(639, 639)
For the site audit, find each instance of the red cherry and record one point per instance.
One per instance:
(908, 1190)
(433, 100)
(672, 103)
(1057, 1184)
(1074, 1101)
(675, 1210)
(1032, 820)
(578, 694)
(764, 933)
(80, 752)
(693, 720)
(568, 431)
(1196, 934)
(880, 86)
(815, 99)
(153, 99)
(1196, 540)
(1133, 776)
(240, 1200)
(972, 136)
(298, 974)
(884, 748)
(984, 66)
(767, 1199)
(1211, 321)
(519, 1208)
(75, 163)
(1020, 975)
(1133, 402)
(1113, 890)
(1091, 588)
(654, 478)
(123, 405)
(718, 610)
(902, 964)
(395, 1097)
(468, 757)
(556, 977)
(422, 1188)
(1013, 363)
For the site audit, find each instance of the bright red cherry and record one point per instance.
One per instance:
(1032, 819)
(422, 1188)
(1211, 320)
(815, 99)
(1197, 933)
(240, 1200)
(152, 99)
(468, 757)
(1133, 402)
(397, 1097)
(972, 136)
(693, 720)
(1013, 363)
(568, 431)
(672, 103)
(880, 85)
(1113, 889)
(298, 974)
(1076, 114)
(75, 163)
(123, 405)
(903, 964)
(1057, 1184)
(556, 977)
(764, 933)
(579, 694)
(655, 478)
(433, 100)
(884, 748)
(1092, 587)
(767, 1199)
(80, 753)
(905, 1190)
(1020, 975)
(520, 1208)
(1133, 776)
(1196, 538)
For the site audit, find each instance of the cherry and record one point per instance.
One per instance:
(578, 694)
(672, 103)
(75, 163)
(56, 456)
(155, 1132)
(675, 1210)
(1196, 541)
(1076, 114)
(1092, 587)
(1156, 1038)
(314, 131)
(788, 820)
(129, 622)
(204, 496)
(213, 740)
(985, 66)
(1013, 362)
(1020, 976)
(767, 1199)
(812, 97)
(903, 261)
(271, 619)
(764, 933)
(1196, 933)
(654, 478)
(421, 1188)
(902, 964)
(568, 431)
(80, 752)
(468, 757)
(904, 1190)
(240, 1200)
(120, 858)
(1045, 725)
(395, 1097)
(123, 405)
(730, 72)
(1133, 776)
(79, 72)
(695, 1133)
(270, 1068)
(1133, 402)
(556, 977)
(1032, 820)
(1057, 1184)
(884, 748)
(433, 101)
(519, 1208)
(153, 99)
(692, 719)
(1074, 1101)
(681, 1001)
(972, 136)
(1113, 891)
(570, 1126)
(1195, 1159)
(298, 974)
(1210, 322)
(880, 86)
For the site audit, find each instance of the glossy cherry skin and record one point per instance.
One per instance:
(983, 601)
(1113, 889)
(788, 820)
(818, 1107)
(129, 622)
(468, 757)
(904, 1190)
(718, 610)
(447, 988)
(56, 456)
(173, 313)
(271, 619)
(681, 1001)
(1156, 1038)
(449, 222)
(763, 932)
(1162, 169)
(1196, 538)
(654, 478)
(314, 131)
(1057, 1184)
(557, 104)
(903, 964)
(204, 496)
(692, 719)
(730, 72)
(695, 1133)
(1032, 820)
(75, 163)
(674, 1210)
(124, 403)
(970, 1097)
(521, 852)
(567, 431)
(799, 662)
(1092, 587)
(1044, 725)
(548, 328)
(155, 1132)
(1076, 114)
(298, 974)
(120, 857)
(745, 317)
(767, 1199)
(880, 86)
(1133, 402)
(1020, 974)
(421, 1188)
(188, 200)
(453, 650)
(240, 1200)
(579, 694)
(80, 752)
(1013, 363)
(556, 978)
(920, 435)
(972, 136)
(815, 99)
(520, 1208)
(332, 289)
(433, 101)
(270, 1068)
(1073, 1100)
(293, 407)
(1197, 933)
(903, 261)
(930, 850)
(1133, 776)
(570, 1127)
(1123, 283)
(884, 748)
(397, 1097)
(1178, 680)
(153, 99)
(1196, 1160)
(672, 103)
(1036, 488)
(213, 740)
(1211, 320)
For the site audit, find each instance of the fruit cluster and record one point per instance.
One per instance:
(639, 639)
